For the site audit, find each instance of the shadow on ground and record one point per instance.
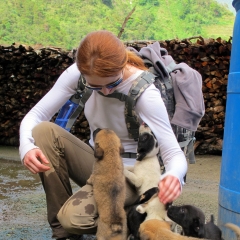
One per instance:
(23, 207)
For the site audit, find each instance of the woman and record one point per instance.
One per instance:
(54, 153)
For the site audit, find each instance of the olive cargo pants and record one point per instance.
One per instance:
(69, 158)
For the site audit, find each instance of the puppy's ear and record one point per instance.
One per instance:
(147, 195)
(98, 152)
(95, 132)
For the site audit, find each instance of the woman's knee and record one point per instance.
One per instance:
(42, 128)
(77, 224)
(46, 134)
(79, 214)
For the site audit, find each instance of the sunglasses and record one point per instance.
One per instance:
(108, 86)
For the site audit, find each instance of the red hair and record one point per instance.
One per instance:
(101, 53)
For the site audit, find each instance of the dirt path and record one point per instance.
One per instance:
(202, 185)
(23, 208)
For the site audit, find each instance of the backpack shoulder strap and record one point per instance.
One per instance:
(80, 97)
(138, 87)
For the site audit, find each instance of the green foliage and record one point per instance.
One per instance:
(64, 23)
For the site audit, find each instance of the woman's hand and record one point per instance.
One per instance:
(34, 160)
(169, 189)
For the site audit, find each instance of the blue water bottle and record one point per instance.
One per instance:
(66, 112)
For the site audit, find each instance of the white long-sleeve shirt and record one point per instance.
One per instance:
(102, 112)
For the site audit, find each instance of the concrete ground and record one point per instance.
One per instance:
(22, 200)
(9, 153)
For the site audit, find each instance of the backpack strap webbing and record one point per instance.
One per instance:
(138, 87)
(190, 151)
(80, 97)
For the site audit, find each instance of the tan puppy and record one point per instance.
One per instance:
(109, 186)
(235, 228)
(155, 229)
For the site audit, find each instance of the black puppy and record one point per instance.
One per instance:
(212, 231)
(192, 221)
(134, 218)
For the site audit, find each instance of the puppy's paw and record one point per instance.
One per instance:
(140, 209)
(90, 180)
(126, 172)
(129, 168)
(173, 226)
(130, 176)
(130, 237)
(138, 182)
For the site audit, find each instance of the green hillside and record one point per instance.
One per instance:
(64, 23)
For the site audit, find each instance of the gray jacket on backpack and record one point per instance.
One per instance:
(187, 86)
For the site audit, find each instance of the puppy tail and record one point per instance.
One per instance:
(116, 227)
(212, 218)
(235, 228)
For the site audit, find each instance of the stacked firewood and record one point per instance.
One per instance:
(27, 73)
(213, 58)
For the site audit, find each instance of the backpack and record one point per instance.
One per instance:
(180, 87)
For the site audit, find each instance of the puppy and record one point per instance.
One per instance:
(155, 229)
(235, 228)
(146, 172)
(211, 230)
(134, 218)
(192, 221)
(108, 183)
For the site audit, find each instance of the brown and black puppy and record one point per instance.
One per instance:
(109, 187)
(192, 221)
(235, 228)
(155, 229)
